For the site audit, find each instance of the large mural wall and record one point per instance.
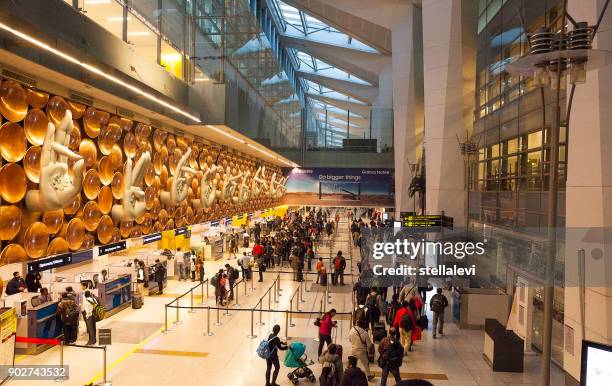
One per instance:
(73, 176)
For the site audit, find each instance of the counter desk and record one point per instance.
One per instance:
(116, 294)
(40, 322)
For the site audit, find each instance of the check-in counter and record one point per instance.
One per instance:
(503, 349)
(41, 322)
(115, 294)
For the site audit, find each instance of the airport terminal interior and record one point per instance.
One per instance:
(325, 192)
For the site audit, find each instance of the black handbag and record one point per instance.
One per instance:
(317, 322)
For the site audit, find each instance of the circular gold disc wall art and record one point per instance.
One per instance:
(56, 108)
(36, 239)
(105, 199)
(93, 120)
(13, 101)
(105, 142)
(105, 229)
(13, 253)
(13, 144)
(91, 215)
(10, 221)
(75, 233)
(76, 109)
(35, 126)
(91, 184)
(37, 99)
(57, 245)
(89, 152)
(53, 220)
(13, 183)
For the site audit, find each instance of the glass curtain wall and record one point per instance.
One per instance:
(509, 179)
(220, 41)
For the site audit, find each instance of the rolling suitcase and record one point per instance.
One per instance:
(379, 331)
(136, 297)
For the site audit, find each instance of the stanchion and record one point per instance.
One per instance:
(208, 332)
(202, 299)
(301, 295)
(287, 325)
(227, 313)
(261, 323)
(252, 281)
(218, 323)
(191, 310)
(178, 305)
(291, 314)
(245, 289)
(236, 293)
(105, 381)
(276, 300)
(165, 331)
(61, 378)
(252, 335)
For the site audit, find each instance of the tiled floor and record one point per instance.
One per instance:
(141, 354)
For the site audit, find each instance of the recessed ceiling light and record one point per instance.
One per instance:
(118, 18)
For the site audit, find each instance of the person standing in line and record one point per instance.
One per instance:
(438, 304)
(245, 262)
(89, 301)
(180, 264)
(390, 358)
(160, 275)
(362, 348)
(233, 245)
(374, 308)
(68, 312)
(353, 376)
(325, 329)
(274, 344)
(339, 264)
(140, 279)
(320, 268)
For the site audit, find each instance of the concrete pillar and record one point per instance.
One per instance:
(449, 58)
(589, 200)
(407, 100)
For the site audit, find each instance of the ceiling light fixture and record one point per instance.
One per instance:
(97, 2)
(97, 71)
(261, 150)
(226, 134)
(139, 33)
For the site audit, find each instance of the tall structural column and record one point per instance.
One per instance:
(589, 201)
(449, 58)
(407, 65)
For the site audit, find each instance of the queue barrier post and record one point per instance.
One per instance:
(287, 325)
(227, 313)
(218, 323)
(178, 306)
(245, 289)
(236, 292)
(208, 332)
(165, 331)
(261, 312)
(105, 381)
(252, 335)
(291, 313)
(61, 360)
(191, 310)
(301, 296)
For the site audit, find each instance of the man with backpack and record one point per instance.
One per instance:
(339, 266)
(404, 324)
(362, 348)
(391, 356)
(68, 312)
(216, 283)
(232, 276)
(268, 350)
(91, 313)
(438, 304)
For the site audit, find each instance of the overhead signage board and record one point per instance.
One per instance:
(110, 248)
(151, 238)
(433, 222)
(50, 262)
